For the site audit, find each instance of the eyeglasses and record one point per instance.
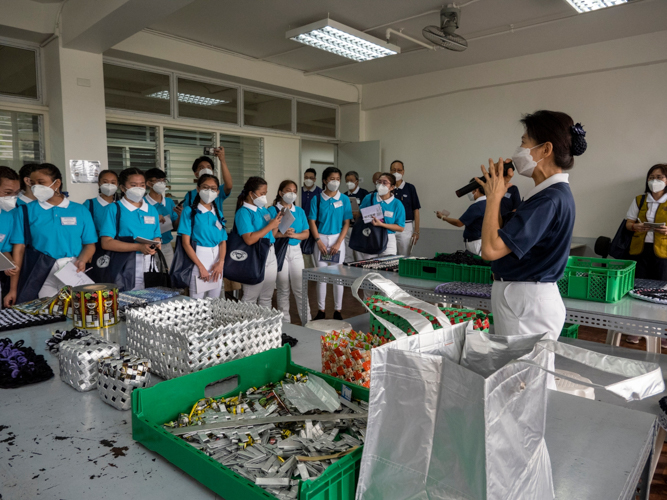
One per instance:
(386, 183)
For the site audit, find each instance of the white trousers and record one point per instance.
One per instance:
(290, 275)
(52, 285)
(329, 240)
(262, 293)
(525, 307)
(208, 256)
(168, 252)
(474, 247)
(351, 255)
(390, 250)
(141, 264)
(403, 239)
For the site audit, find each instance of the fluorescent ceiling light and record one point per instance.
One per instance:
(189, 98)
(342, 40)
(589, 5)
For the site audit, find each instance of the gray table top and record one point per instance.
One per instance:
(60, 443)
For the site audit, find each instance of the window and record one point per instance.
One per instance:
(131, 146)
(207, 101)
(312, 119)
(20, 139)
(136, 90)
(18, 72)
(267, 111)
(181, 148)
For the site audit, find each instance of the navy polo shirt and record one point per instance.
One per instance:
(539, 235)
(307, 197)
(511, 201)
(359, 195)
(408, 196)
(472, 220)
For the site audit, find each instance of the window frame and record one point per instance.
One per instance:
(292, 130)
(38, 72)
(239, 103)
(323, 105)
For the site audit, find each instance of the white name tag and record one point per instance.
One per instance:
(389, 214)
(218, 225)
(405, 196)
(68, 221)
(338, 204)
(267, 217)
(508, 195)
(149, 219)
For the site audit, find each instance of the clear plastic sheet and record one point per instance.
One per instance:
(315, 394)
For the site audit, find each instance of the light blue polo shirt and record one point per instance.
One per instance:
(164, 208)
(99, 210)
(334, 210)
(300, 223)
(392, 209)
(208, 231)
(190, 198)
(6, 229)
(250, 218)
(134, 221)
(57, 231)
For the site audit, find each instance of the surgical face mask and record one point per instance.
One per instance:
(656, 186)
(471, 196)
(135, 194)
(524, 162)
(382, 189)
(309, 183)
(289, 198)
(260, 201)
(398, 176)
(333, 185)
(207, 196)
(351, 186)
(204, 171)
(43, 193)
(7, 203)
(160, 187)
(108, 189)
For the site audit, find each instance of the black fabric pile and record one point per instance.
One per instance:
(53, 344)
(461, 257)
(11, 319)
(662, 418)
(289, 340)
(20, 365)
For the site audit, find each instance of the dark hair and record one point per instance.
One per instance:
(201, 181)
(282, 186)
(9, 174)
(125, 175)
(389, 176)
(658, 166)
(105, 172)
(195, 164)
(397, 161)
(352, 172)
(252, 184)
(311, 171)
(25, 171)
(327, 172)
(51, 170)
(479, 186)
(155, 173)
(558, 129)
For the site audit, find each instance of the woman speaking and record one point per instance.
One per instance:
(529, 251)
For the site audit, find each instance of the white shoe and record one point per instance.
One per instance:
(633, 339)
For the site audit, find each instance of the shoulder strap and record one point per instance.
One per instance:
(319, 198)
(643, 200)
(27, 235)
(118, 207)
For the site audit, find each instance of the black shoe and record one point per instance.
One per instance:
(320, 315)
(338, 315)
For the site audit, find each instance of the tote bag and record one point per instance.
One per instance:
(308, 245)
(367, 238)
(245, 263)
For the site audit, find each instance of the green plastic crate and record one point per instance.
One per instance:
(599, 280)
(570, 331)
(444, 272)
(162, 403)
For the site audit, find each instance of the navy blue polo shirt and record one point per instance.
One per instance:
(408, 196)
(359, 195)
(472, 220)
(539, 235)
(307, 197)
(511, 201)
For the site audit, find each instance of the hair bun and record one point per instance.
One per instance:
(579, 143)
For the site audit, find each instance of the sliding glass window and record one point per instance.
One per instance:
(18, 72)
(267, 111)
(312, 119)
(136, 90)
(207, 101)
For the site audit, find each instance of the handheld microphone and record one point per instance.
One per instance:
(474, 184)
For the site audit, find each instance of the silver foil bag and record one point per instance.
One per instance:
(78, 361)
(118, 377)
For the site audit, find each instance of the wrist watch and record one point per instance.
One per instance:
(317, 239)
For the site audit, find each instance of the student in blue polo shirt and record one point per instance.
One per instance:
(156, 181)
(60, 231)
(530, 250)
(407, 194)
(137, 219)
(26, 196)
(329, 225)
(206, 230)
(253, 222)
(9, 190)
(108, 188)
(292, 268)
(472, 221)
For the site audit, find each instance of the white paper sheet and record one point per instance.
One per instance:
(445, 213)
(286, 222)
(70, 277)
(139, 239)
(5, 263)
(205, 286)
(373, 211)
(167, 225)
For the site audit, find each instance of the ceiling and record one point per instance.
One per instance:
(256, 28)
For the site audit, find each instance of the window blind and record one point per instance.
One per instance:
(131, 146)
(20, 139)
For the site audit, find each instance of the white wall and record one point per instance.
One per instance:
(443, 125)
(314, 151)
(281, 161)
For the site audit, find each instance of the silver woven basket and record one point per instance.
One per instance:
(119, 376)
(78, 361)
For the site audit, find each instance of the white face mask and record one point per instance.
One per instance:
(8, 203)
(333, 185)
(309, 183)
(205, 171)
(207, 196)
(656, 186)
(524, 162)
(160, 187)
(382, 189)
(108, 189)
(351, 186)
(471, 196)
(43, 193)
(398, 176)
(289, 198)
(260, 201)
(135, 194)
